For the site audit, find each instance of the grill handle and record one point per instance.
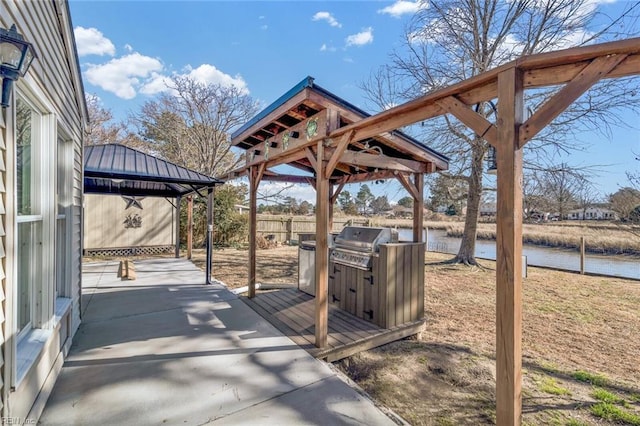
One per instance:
(369, 312)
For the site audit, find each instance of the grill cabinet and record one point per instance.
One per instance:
(375, 280)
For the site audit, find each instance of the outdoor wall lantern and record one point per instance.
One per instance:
(16, 56)
(492, 165)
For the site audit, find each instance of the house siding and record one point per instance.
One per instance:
(53, 77)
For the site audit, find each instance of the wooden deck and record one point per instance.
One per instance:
(292, 312)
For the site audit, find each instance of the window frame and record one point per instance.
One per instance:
(26, 344)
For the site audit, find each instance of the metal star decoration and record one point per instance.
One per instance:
(133, 201)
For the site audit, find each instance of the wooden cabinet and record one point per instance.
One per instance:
(390, 293)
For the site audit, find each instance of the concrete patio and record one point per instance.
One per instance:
(165, 349)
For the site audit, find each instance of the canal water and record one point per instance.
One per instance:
(616, 266)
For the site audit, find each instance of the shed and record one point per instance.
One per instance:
(114, 169)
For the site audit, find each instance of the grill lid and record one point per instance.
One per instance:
(365, 239)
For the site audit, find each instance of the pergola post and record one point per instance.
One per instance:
(253, 193)
(418, 208)
(209, 234)
(509, 250)
(189, 226)
(322, 248)
(178, 205)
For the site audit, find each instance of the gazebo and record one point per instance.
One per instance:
(114, 169)
(335, 145)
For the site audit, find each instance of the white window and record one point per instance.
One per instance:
(34, 172)
(29, 211)
(35, 215)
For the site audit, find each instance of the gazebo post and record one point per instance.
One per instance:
(418, 208)
(189, 226)
(209, 234)
(509, 249)
(254, 181)
(322, 248)
(178, 202)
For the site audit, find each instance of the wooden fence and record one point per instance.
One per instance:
(286, 228)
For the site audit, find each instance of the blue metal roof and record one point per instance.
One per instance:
(119, 169)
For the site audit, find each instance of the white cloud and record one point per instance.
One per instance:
(348, 60)
(90, 41)
(155, 84)
(325, 48)
(264, 27)
(403, 7)
(361, 38)
(327, 16)
(128, 48)
(209, 74)
(122, 76)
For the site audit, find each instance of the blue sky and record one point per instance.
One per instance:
(126, 48)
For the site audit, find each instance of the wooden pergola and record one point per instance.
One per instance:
(337, 154)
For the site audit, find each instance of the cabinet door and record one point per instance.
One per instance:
(370, 309)
(352, 290)
(334, 279)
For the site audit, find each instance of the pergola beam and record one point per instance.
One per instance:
(381, 161)
(483, 87)
(340, 149)
(411, 189)
(476, 122)
(559, 102)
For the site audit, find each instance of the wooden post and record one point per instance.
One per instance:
(509, 250)
(253, 193)
(322, 249)
(178, 202)
(209, 235)
(418, 208)
(583, 243)
(426, 239)
(289, 230)
(189, 226)
(331, 189)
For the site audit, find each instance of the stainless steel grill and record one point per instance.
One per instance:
(356, 246)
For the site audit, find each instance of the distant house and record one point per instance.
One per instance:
(41, 146)
(403, 212)
(592, 213)
(240, 208)
(488, 209)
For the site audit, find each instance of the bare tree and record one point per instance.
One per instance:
(452, 40)
(191, 124)
(101, 130)
(586, 196)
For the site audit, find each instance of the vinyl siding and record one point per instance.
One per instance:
(54, 80)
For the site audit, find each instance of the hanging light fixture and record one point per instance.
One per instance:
(492, 164)
(16, 56)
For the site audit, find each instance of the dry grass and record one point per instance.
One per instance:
(574, 327)
(605, 238)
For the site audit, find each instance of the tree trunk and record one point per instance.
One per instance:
(466, 254)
